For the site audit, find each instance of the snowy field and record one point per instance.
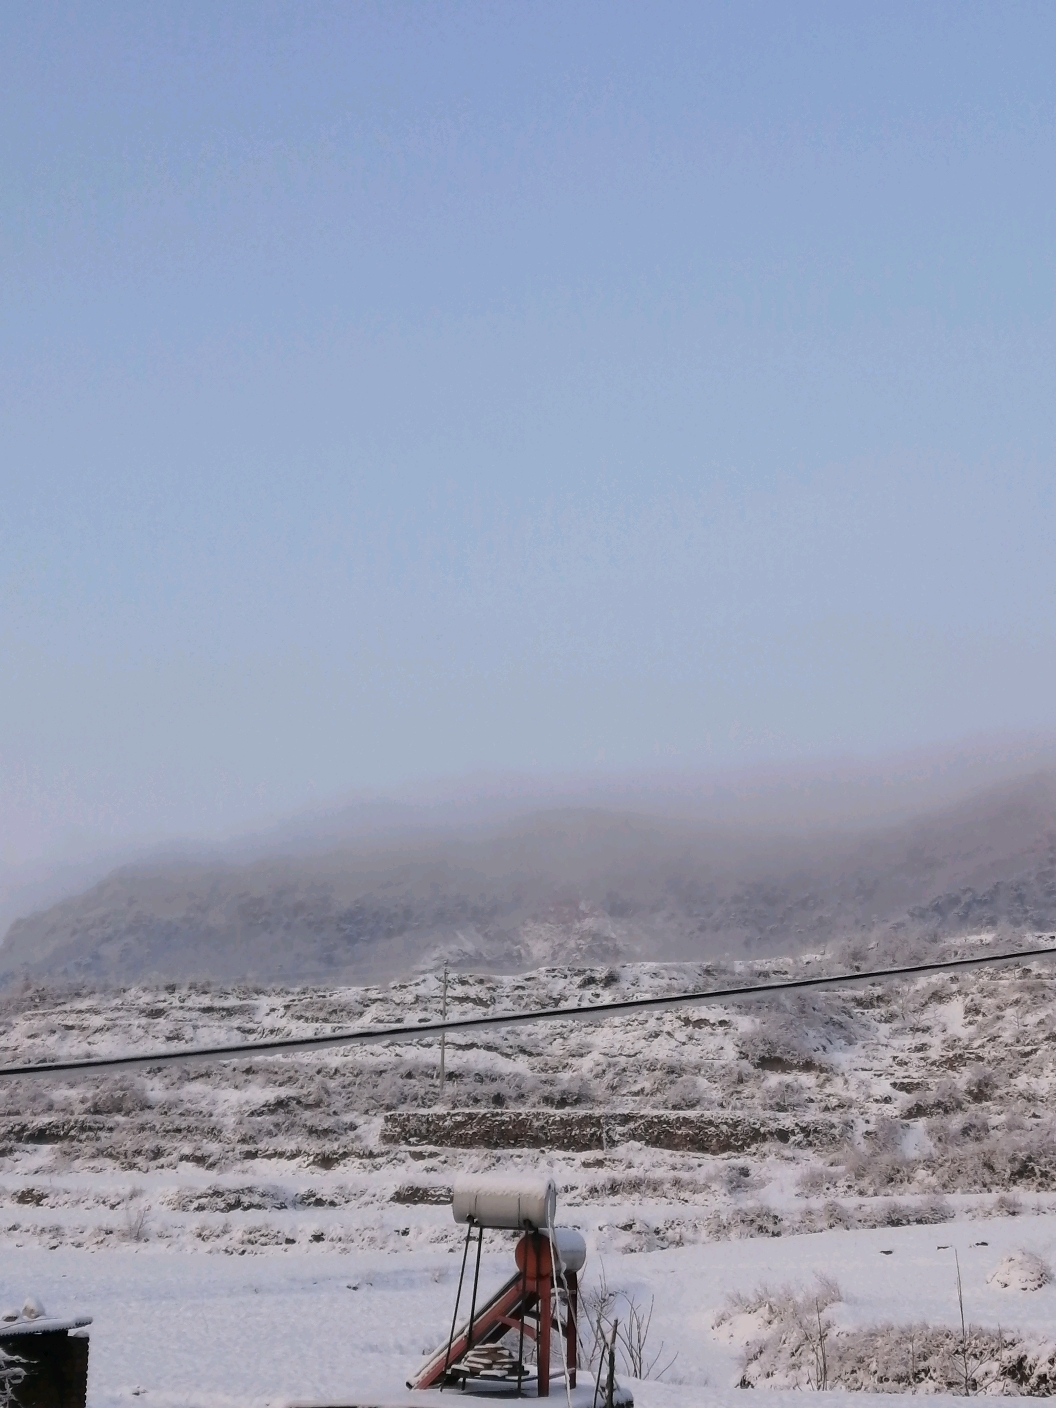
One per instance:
(178, 1328)
(800, 1179)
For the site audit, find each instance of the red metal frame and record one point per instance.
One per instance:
(526, 1304)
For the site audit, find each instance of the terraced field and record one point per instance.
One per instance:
(867, 1106)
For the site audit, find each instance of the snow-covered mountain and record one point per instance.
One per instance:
(562, 886)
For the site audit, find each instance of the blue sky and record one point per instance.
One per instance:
(395, 392)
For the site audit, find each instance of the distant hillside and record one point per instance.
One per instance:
(561, 886)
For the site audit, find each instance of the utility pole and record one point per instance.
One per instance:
(443, 1035)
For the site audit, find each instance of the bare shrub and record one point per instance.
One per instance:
(785, 1095)
(966, 1159)
(568, 1093)
(893, 1213)
(792, 1349)
(796, 1346)
(834, 1214)
(26, 1097)
(212, 1231)
(1006, 1205)
(813, 1181)
(865, 1172)
(942, 1099)
(684, 1094)
(917, 1358)
(793, 1344)
(596, 1301)
(642, 1359)
(117, 1096)
(755, 1220)
(979, 1084)
(137, 1223)
(779, 1043)
(1001, 1159)
(218, 1198)
(615, 1316)
(618, 1187)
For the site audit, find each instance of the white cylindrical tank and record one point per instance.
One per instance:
(504, 1200)
(571, 1248)
(535, 1252)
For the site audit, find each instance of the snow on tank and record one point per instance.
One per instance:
(504, 1200)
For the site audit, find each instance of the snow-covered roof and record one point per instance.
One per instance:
(41, 1324)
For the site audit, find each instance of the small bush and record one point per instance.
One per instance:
(137, 1223)
(813, 1181)
(1006, 1205)
(785, 1095)
(979, 1084)
(792, 1343)
(683, 1094)
(942, 1099)
(617, 1317)
(788, 1342)
(779, 1043)
(117, 1097)
(967, 1158)
(1021, 1270)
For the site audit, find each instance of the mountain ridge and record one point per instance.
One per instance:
(590, 884)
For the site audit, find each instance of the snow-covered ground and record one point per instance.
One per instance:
(187, 1329)
(278, 1230)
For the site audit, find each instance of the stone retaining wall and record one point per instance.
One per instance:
(576, 1132)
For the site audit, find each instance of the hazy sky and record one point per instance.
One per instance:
(389, 392)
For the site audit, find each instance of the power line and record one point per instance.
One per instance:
(589, 1012)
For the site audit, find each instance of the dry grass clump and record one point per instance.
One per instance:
(621, 1187)
(762, 1220)
(967, 1157)
(779, 1041)
(922, 1358)
(793, 1343)
(788, 1333)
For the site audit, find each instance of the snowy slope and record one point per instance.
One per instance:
(289, 1208)
(586, 886)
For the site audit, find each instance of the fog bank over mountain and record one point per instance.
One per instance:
(565, 883)
(843, 793)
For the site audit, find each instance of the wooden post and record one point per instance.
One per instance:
(610, 1376)
(443, 1035)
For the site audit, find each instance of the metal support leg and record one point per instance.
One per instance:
(546, 1312)
(571, 1323)
(473, 1302)
(520, 1337)
(458, 1297)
